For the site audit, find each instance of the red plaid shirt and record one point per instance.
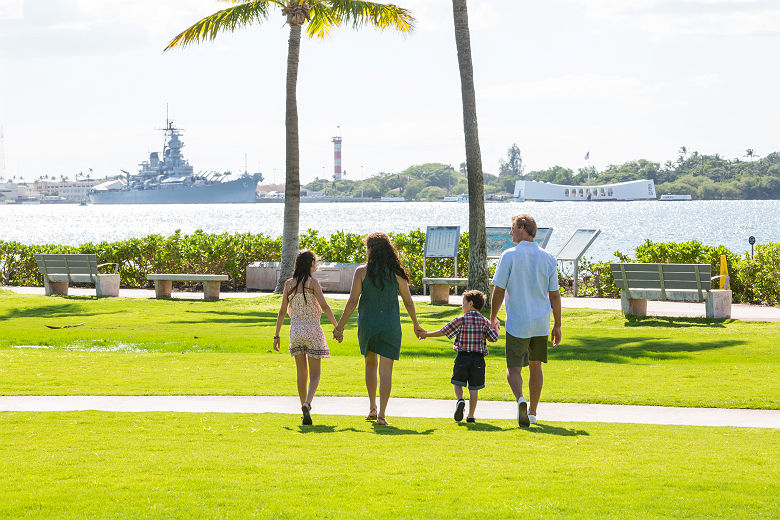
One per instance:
(470, 331)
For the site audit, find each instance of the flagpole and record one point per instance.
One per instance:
(587, 166)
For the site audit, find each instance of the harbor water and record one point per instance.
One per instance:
(624, 225)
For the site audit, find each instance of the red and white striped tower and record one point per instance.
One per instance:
(337, 158)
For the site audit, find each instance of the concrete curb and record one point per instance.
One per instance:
(398, 407)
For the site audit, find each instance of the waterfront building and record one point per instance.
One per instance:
(545, 191)
(70, 191)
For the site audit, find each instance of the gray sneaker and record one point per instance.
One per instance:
(459, 410)
(522, 413)
(531, 419)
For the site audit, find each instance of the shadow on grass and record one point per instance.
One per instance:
(627, 349)
(556, 430)
(255, 318)
(672, 322)
(481, 427)
(52, 311)
(317, 428)
(392, 430)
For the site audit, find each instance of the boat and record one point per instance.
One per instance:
(675, 197)
(171, 180)
(463, 197)
(548, 192)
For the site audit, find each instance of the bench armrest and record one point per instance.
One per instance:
(116, 267)
(727, 277)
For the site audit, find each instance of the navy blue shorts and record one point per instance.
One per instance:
(469, 370)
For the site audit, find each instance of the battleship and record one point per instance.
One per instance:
(170, 180)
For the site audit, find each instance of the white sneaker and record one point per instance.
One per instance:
(531, 419)
(522, 413)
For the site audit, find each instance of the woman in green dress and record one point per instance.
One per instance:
(375, 290)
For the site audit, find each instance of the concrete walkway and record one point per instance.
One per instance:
(654, 308)
(398, 407)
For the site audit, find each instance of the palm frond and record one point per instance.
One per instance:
(323, 21)
(245, 12)
(332, 13)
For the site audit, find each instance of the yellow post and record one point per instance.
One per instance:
(724, 272)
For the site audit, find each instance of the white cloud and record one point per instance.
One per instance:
(691, 17)
(11, 9)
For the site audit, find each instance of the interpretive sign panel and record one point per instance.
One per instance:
(441, 241)
(499, 239)
(543, 235)
(579, 242)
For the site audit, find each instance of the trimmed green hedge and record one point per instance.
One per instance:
(752, 280)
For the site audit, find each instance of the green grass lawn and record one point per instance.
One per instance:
(166, 465)
(132, 346)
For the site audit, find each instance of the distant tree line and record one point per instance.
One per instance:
(698, 175)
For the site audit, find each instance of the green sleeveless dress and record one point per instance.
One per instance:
(379, 319)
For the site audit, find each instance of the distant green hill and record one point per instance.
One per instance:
(701, 176)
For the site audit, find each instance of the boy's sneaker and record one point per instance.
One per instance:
(522, 413)
(470, 419)
(459, 410)
(531, 419)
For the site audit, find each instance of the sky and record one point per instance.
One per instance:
(85, 84)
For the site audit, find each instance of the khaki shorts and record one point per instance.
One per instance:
(520, 350)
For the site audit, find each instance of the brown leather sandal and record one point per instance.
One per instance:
(371, 415)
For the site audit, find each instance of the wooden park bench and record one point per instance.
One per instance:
(163, 283)
(59, 270)
(676, 282)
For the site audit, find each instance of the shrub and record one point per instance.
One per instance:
(759, 276)
(752, 280)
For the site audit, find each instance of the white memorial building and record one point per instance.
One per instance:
(544, 191)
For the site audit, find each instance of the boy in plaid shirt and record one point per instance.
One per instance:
(470, 331)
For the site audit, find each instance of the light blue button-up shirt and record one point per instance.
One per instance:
(528, 273)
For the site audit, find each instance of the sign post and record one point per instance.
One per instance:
(575, 247)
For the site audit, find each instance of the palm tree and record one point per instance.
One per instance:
(320, 17)
(478, 271)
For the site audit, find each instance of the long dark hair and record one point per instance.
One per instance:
(302, 270)
(381, 258)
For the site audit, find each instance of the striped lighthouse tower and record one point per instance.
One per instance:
(337, 158)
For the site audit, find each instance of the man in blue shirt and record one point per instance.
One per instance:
(527, 279)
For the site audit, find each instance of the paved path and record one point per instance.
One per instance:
(398, 407)
(654, 308)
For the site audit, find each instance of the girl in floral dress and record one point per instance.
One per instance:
(305, 303)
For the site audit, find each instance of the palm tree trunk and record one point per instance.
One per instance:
(292, 186)
(478, 272)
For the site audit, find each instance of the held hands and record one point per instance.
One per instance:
(420, 332)
(495, 324)
(338, 335)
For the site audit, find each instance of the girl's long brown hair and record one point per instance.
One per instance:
(382, 257)
(302, 270)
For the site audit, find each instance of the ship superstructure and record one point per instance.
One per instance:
(171, 180)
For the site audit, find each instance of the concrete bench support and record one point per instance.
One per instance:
(163, 283)
(440, 287)
(163, 288)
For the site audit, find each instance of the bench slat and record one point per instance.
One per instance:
(668, 268)
(671, 294)
(662, 276)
